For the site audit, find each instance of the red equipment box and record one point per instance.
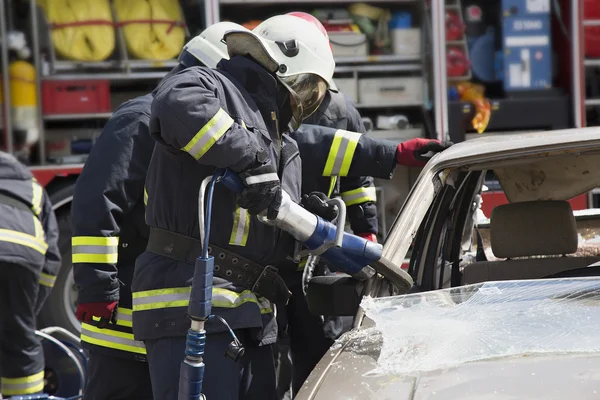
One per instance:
(75, 97)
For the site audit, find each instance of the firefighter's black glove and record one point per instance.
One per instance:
(316, 203)
(263, 189)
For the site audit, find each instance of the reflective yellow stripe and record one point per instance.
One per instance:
(145, 197)
(241, 227)
(123, 317)
(47, 280)
(39, 229)
(360, 195)
(301, 264)
(341, 153)
(161, 298)
(209, 134)
(332, 185)
(24, 385)
(23, 239)
(36, 198)
(95, 249)
(243, 125)
(112, 339)
(224, 298)
(264, 305)
(179, 297)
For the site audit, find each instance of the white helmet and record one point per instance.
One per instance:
(315, 21)
(297, 53)
(209, 47)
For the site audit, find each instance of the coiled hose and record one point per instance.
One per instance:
(82, 30)
(153, 29)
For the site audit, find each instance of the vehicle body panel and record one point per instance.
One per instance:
(538, 349)
(525, 377)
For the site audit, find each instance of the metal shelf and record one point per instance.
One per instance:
(70, 73)
(380, 68)
(259, 2)
(592, 102)
(110, 70)
(390, 105)
(591, 22)
(459, 78)
(591, 62)
(75, 117)
(378, 59)
(106, 75)
(91, 67)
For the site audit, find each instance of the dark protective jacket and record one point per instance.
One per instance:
(359, 194)
(28, 228)
(109, 230)
(205, 119)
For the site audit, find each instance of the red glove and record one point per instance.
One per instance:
(106, 311)
(369, 236)
(413, 152)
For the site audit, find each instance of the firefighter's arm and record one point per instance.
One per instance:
(187, 116)
(111, 183)
(337, 152)
(53, 259)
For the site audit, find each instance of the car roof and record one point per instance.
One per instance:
(482, 147)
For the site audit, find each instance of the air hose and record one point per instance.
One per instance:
(153, 29)
(82, 30)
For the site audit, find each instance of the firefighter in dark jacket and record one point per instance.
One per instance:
(232, 117)
(29, 263)
(310, 336)
(110, 232)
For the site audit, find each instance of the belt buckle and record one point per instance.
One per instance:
(263, 274)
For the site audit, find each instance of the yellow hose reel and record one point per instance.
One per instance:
(84, 30)
(153, 29)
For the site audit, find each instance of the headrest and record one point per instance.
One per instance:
(533, 228)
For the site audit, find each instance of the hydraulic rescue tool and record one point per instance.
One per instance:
(200, 305)
(348, 253)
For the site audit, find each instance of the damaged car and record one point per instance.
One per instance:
(505, 307)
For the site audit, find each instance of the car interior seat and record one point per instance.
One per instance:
(534, 239)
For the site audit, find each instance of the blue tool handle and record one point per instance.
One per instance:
(355, 253)
(191, 375)
(231, 181)
(201, 294)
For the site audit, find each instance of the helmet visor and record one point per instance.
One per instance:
(307, 91)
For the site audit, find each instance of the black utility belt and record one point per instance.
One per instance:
(262, 280)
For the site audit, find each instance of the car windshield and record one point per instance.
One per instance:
(444, 328)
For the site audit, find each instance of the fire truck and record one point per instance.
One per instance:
(54, 100)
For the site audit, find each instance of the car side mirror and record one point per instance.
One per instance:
(336, 295)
